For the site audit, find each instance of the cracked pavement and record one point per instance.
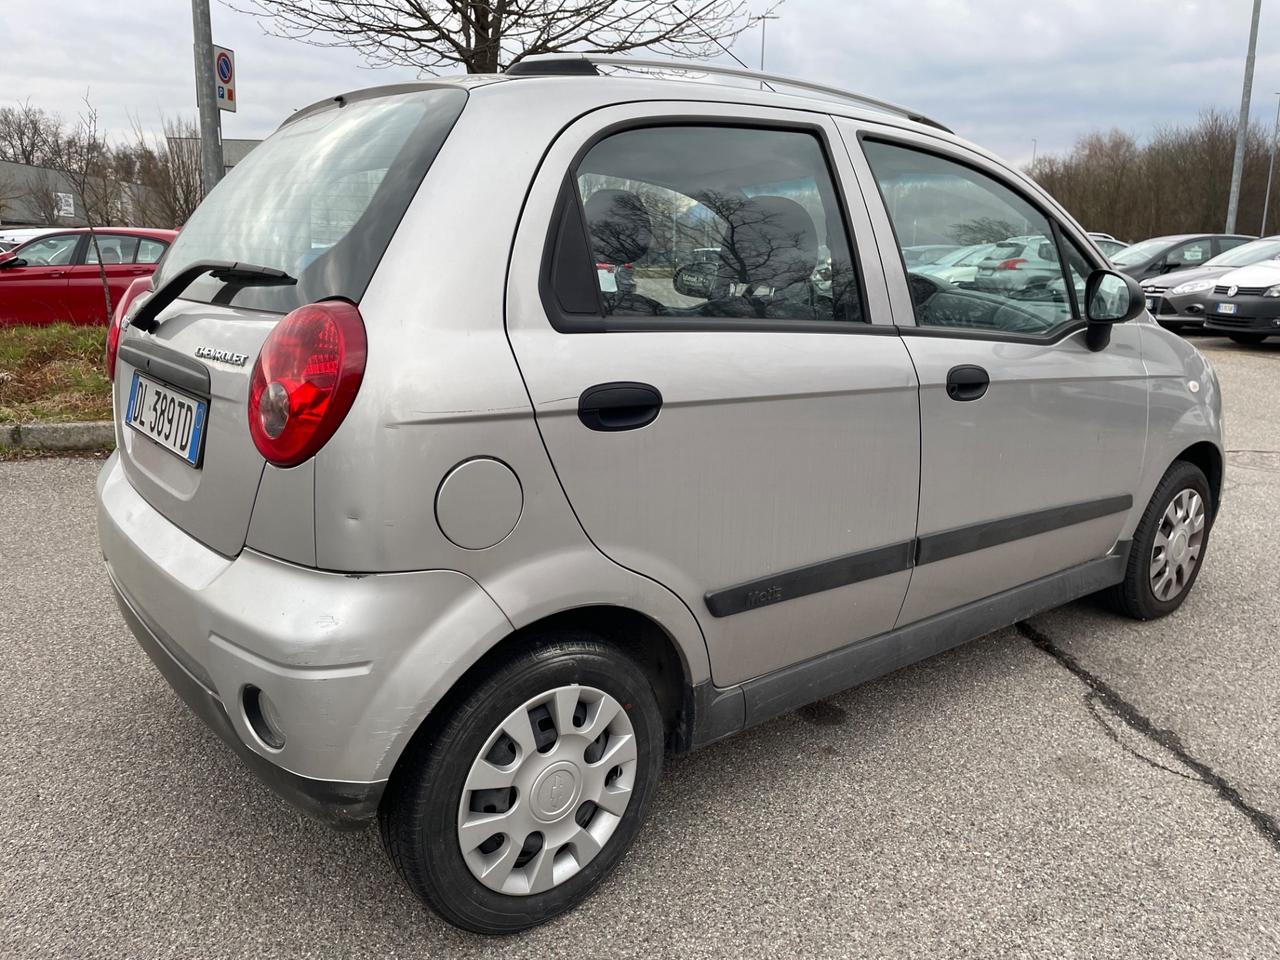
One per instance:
(1079, 785)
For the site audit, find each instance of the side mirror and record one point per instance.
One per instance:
(11, 263)
(1110, 297)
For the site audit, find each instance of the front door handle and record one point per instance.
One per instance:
(609, 407)
(967, 382)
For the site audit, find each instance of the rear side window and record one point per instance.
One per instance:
(1012, 279)
(150, 251)
(714, 222)
(115, 249)
(320, 199)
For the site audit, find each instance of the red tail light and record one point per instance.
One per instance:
(1011, 264)
(141, 285)
(305, 380)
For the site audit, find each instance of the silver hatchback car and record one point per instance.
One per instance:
(433, 527)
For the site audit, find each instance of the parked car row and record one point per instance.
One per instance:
(1236, 293)
(55, 276)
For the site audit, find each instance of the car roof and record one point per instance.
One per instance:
(607, 89)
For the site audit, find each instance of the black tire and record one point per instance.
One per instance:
(419, 813)
(1248, 339)
(1134, 596)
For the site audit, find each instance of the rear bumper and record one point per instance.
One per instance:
(341, 805)
(352, 664)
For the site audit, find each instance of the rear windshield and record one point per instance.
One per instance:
(320, 200)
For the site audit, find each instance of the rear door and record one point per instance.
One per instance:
(743, 427)
(85, 300)
(1031, 443)
(36, 294)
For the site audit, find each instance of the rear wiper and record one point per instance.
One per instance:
(244, 274)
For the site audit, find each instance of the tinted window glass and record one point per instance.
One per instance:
(1015, 282)
(114, 249)
(319, 199)
(50, 251)
(717, 222)
(149, 251)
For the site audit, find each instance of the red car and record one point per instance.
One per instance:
(56, 278)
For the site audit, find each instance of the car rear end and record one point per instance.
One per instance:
(207, 510)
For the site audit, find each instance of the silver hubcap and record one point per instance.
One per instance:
(1178, 543)
(547, 791)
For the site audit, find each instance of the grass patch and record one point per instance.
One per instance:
(53, 374)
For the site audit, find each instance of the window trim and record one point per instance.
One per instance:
(604, 323)
(915, 329)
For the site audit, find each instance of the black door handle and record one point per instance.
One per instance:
(619, 406)
(967, 382)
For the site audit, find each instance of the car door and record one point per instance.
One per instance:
(36, 294)
(743, 427)
(1031, 443)
(85, 300)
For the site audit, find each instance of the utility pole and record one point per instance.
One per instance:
(1242, 132)
(210, 122)
(1271, 170)
(1034, 144)
(764, 18)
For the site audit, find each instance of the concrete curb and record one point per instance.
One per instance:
(92, 435)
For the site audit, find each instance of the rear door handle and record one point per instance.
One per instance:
(610, 407)
(967, 382)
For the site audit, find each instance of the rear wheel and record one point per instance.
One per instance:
(531, 790)
(1168, 546)
(1248, 339)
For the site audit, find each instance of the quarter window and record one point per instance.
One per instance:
(149, 251)
(1007, 277)
(716, 222)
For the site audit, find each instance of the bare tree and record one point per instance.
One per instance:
(485, 36)
(29, 135)
(1174, 182)
(86, 162)
(166, 176)
(9, 193)
(40, 198)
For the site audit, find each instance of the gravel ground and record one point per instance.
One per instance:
(1080, 786)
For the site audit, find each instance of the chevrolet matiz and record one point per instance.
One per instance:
(438, 527)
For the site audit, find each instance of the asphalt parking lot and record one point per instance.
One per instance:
(1077, 786)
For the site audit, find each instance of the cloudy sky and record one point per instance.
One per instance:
(1000, 72)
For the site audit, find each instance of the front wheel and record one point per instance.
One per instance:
(528, 793)
(1248, 339)
(1168, 546)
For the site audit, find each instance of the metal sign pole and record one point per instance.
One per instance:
(206, 82)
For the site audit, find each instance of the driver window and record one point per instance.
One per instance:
(50, 251)
(720, 222)
(1004, 276)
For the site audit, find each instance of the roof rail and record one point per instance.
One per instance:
(573, 64)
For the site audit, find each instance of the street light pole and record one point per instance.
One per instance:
(764, 18)
(1242, 132)
(210, 123)
(1271, 170)
(1034, 144)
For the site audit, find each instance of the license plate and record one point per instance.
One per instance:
(1226, 308)
(608, 280)
(170, 418)
(1151, 303)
